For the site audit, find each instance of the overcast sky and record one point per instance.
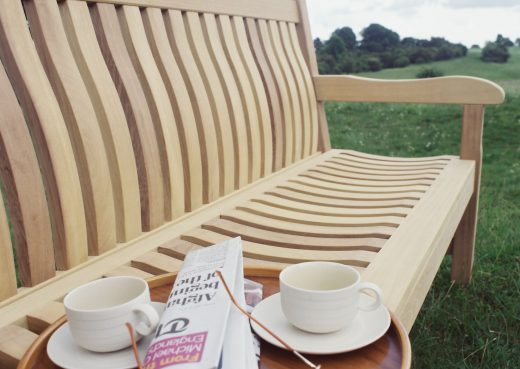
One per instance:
(466, 21)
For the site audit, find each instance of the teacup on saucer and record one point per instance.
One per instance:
(64, 352)
(366, 328)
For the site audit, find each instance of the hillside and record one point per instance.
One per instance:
(507, 75)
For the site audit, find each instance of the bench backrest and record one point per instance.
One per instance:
(118, 116)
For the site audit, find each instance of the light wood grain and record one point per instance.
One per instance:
(39, 320)
(162, 113)
(245, 89)
(137, 113)
(109, 114)
(269, 9)
(259, 94)
(87, 143)
(285, 98)
(200, 47)
(14, 341)
(274, 103)
(305, 40)
(237, 120)
(205, 121)
(253, 250)
(273, 238)
(439, 90)
(156, 263)
(26, 301)
(7, 272)
(406, 266)
(28, 210)
(128, 271)
(49, 133)
(470, 149)
(181, 105)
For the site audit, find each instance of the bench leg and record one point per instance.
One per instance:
(464, 244)
(464, 240)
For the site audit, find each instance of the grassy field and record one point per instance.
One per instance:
(477, 326)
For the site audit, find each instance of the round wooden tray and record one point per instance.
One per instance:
(392, 351)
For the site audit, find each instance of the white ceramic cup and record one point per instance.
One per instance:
(323, 297)
(97, 313)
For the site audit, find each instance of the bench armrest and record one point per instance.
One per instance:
(440, 90)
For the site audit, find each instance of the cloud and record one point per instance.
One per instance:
(482, 3)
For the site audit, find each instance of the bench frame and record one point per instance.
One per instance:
(453, 197)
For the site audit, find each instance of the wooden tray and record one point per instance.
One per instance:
(392, 351)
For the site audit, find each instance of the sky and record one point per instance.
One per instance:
(465, 21)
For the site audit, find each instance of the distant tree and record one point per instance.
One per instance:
(401, 62)
(347, 36)
(318, 44)
(377, 38)
(501, 40)
(517, 41)
(475, 46)
(335, 47)
(494, 53)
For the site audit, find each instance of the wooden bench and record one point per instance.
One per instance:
(132, 131)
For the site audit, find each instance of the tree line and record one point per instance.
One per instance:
(379, 48)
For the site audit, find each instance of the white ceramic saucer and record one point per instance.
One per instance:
(367, 327)
(64, 352)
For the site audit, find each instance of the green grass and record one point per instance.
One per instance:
(477, 326)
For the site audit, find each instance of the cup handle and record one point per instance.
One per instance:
(373, 287)
(145, 328)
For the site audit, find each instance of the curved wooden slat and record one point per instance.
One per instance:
(232, 96)
(49, 134)
(160, 106)
(28, 211)
(332, 193)
(204, 116)
(285, 98)
(245, 87)
(288, 80)
(275, 213)
(181, 104)
(338, 202)
(137, 114)
(280, 254)
(301, 91)
(38, 321)
(87, 143)
(309, 85)
(272, 238)
(259, 93)
(110, 116)
(316, 183)
(382, 168)
(442, 159)
(221, 117)
(291, 227)
(156, 263)
(299, 206)
(343, 171)
(325, 177)
(179, 248)
(7, 272)
(275, 109)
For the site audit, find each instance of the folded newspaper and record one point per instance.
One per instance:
(200, 328)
